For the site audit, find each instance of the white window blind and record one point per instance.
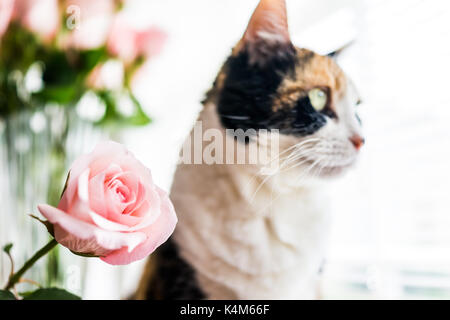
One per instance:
(391, 236)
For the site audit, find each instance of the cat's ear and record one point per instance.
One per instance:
(267, 33)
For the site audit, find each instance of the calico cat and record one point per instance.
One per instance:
(243, 234)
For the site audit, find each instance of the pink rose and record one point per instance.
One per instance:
(91, 21)
(39, 16)
(127, 43)
(111, 208)
(6, 11)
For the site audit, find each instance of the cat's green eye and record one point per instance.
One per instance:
(318, 98)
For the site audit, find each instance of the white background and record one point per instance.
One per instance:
(391, 234)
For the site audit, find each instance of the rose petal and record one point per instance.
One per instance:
(126, 181)
(97, 200)
(140, 218)
(157, 233)
(77, 168)
(107, 224)
(82, 237)
(106, 156)
(111, 208)
(79, 205)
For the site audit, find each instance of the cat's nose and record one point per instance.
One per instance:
(357, 141)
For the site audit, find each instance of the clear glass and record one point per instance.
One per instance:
(37, 148)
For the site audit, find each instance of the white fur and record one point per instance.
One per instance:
(245, 239)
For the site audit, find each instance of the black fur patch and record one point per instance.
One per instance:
(174, 278)
(302, 120)
(246, 99)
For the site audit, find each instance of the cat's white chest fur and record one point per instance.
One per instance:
(245, 245)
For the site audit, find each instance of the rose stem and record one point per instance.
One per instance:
(13, 279)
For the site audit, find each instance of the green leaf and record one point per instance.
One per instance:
(58, 93)
(51, 294)
(114, 117)
(59, 69)
(89, 59)
(25, 293)
(47, 224)
(7, 248)
(6, 295)
(140, 118)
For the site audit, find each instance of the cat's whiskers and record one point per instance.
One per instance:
(297, 162)
(307, 171)
(295, 152)
(303, 154)
(278, 157)
(310, 169)
(296, 146)
(294, 156)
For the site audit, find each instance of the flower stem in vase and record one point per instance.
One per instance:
(15, 278)
(57, 173)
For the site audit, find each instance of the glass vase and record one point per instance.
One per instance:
(37, 149)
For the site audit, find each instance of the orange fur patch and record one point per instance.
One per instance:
(314, 71)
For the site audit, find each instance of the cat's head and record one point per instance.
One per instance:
(268, 83)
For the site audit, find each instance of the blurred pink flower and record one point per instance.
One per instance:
(128, 43)
(109, 75)
(6, 11)
(39, 16)
(111, 208)
(90, 22)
